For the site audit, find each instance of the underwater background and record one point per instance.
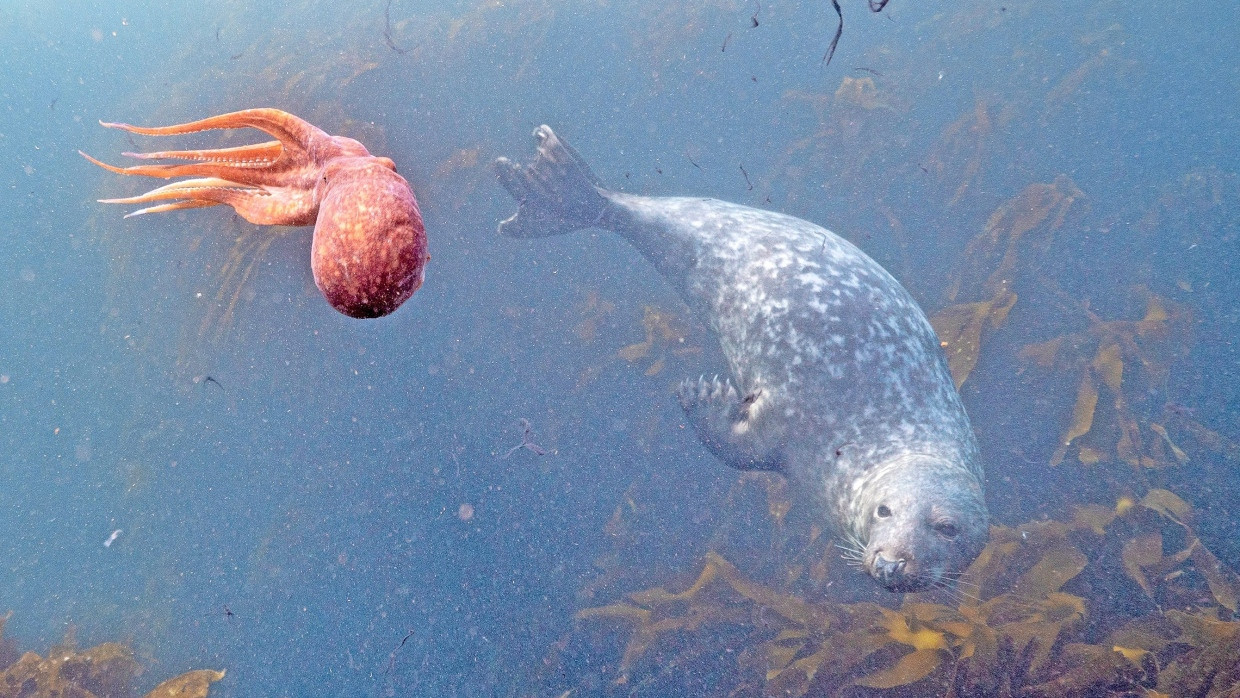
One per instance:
(326, 506)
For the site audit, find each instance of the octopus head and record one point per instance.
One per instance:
(925, 521)
(369, 251)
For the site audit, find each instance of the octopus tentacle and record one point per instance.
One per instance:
(256, 155)
(185, 189)
(255, 172)
(251, 203)
(207, 169)
(180, 190)
(175, 206)
(293, 133)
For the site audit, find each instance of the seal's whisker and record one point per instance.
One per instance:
(963, 582)
(957, 580)
(961, 595)
(851, 549)
(958, 575)
(957, 596)
(850, 553)
(1019, 603)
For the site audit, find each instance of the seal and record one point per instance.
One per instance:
(835, 376)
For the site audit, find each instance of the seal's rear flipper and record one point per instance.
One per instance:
(723, 422)
(557, 193)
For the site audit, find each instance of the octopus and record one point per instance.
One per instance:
(369, 251)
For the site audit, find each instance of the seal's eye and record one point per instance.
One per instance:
(947, 529)
(882, 511)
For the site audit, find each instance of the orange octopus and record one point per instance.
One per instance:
(369, 250)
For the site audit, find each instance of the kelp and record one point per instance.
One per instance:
(593, 311)
(959, 328)
(191, 684)
(1106, 356)
(1211, 664)
(1198, 208)
(662, 33)
(1069, 86)
(665, 335)
(848, 126)
(1205, 438)
(249, 248)
(860, 93)
(1031, 219)
(1117, 363)
(1017, 626)
(968, 139)
(107, 670)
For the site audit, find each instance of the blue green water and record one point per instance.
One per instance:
(315, 486)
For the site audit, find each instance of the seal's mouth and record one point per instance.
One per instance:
(904, 584)
(899, 575)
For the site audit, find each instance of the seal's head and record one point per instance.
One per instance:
(922, 521)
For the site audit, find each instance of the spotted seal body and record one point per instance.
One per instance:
(836, 378)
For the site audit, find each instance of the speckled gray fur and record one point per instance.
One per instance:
(835, 375)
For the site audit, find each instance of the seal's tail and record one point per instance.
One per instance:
(557, 193)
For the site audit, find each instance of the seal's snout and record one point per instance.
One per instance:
(895, 574)
(902, 562)
(888, 571)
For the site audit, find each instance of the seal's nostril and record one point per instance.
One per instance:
(887, 568)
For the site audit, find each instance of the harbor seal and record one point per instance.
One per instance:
(835, 376)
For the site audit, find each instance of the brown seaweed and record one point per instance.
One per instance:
(593, 311)
(1031, 219)
(967, 138)
(1101, 355)
(107, 670)
(665, 335)
(959, 328)
(191, 684)
(1022, 632)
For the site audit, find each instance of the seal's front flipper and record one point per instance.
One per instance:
(557, 193)
(723, 420)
